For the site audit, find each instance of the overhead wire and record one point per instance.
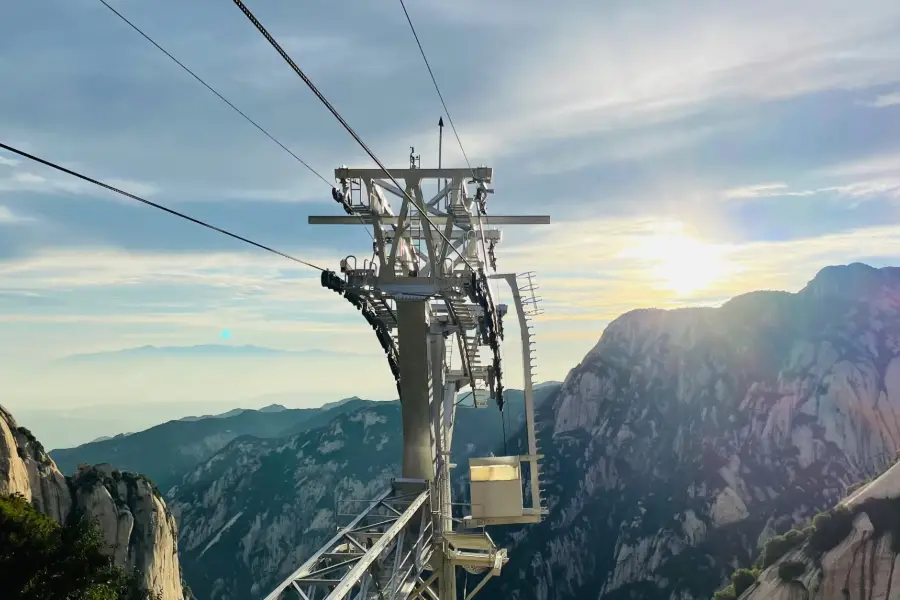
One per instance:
(462, 149)
(220, 96)
(436, 87)
(226, 101)
(478, 212)
(259, 26)
(176, 213)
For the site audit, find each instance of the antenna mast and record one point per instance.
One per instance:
(425, 291)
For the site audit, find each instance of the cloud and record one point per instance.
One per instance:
(166, 299)
(885, 100)
(322, 55)
(635, 145)
(621, 68)
(652, 115)
(884, 189)
(761, 190)
(590, 272)
(873, 164)
(36, 179)
(100, 267)
(24, 180)
(873, 177)
(8, 217)
(626, 263)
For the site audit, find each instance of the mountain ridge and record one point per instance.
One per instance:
(166, 451)
(198, 351)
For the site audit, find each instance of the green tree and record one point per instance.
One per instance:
(743, 579)
(41, 560)
(725, 594)
(790, 570)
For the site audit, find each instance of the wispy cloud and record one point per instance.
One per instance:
(681, 61)
(625, 146)
(8, 217)
(882, 188)
(610, 277)
(884, 100)
(20, 179)
(874, 164)
(761, 190)
(110, 267)
(258, 65)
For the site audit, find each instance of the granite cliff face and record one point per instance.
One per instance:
(685, 439)
(134, 520)
(858, 560)
(27, 470)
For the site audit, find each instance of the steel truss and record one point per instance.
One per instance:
(426, 294)
(381, 553)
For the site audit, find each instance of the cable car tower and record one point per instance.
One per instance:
(425, 292)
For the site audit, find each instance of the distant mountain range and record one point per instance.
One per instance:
(199, 351)
(272, 408)
(166, 451)
(103, 438)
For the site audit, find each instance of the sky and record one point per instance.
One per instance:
(685, 156)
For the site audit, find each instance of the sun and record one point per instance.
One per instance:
(680, 263)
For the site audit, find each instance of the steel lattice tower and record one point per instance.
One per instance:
(426, 293)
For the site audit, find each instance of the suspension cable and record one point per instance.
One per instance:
(436, 87)
(111, 188)
(220, 96)
(226, 101)
(337, 115)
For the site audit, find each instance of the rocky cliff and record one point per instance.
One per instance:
(27, 470)
(685, 439)
(139, 530)
(849, 553)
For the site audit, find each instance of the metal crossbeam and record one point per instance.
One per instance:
(484, 174)
(386, 221)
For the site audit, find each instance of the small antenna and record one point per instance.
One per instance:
(440, 148)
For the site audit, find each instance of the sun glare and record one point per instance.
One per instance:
(680, 263)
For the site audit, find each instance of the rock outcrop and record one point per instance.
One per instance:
(27, 470)
(686, 438)
(861, 563)
(138, 528)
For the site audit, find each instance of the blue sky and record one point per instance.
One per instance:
(686, 154)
